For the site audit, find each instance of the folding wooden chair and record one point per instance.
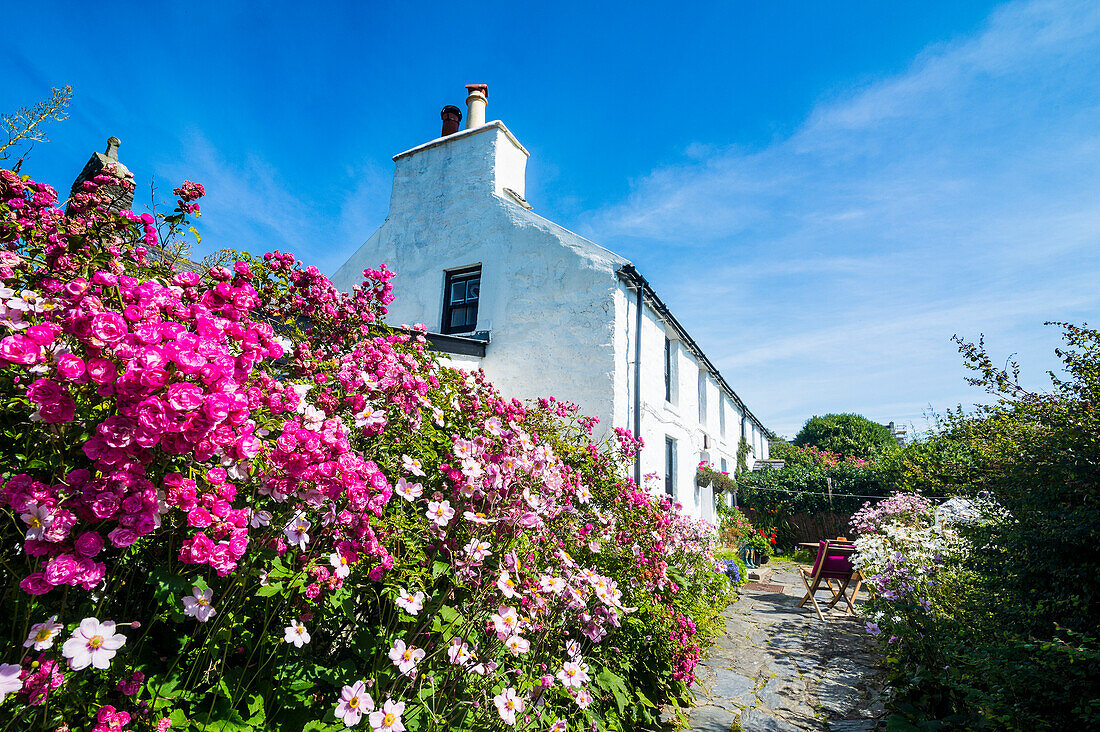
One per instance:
(833, 562)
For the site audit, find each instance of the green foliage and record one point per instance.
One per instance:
(744, 449)
(772, 497)
(848, 435)
(792, 454)
(26, 124)
(1011, 630)
(734, 527)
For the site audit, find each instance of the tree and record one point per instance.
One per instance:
(27, 124)
(847, 435)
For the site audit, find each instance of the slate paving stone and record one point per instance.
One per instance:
(730, 685)
(759, 720)
(712, 719)
(780, 669)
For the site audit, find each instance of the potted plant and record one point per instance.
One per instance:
(761, 543)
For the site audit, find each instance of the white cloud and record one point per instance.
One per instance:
(958, 196)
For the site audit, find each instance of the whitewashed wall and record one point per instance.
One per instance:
(546, 293)
(562, 323)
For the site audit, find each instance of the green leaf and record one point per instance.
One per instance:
(614, 683)
(257, 717)
(179, 720)
(269, 590)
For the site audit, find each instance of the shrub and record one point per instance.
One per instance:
(234, 500)
(997, 629)
(795, 499)
(847, 435)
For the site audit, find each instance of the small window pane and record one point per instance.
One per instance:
(460, 300)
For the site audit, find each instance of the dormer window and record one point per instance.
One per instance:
(460, 298)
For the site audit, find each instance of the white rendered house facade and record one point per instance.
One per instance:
(546, 312)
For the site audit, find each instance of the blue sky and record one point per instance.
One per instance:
(823, 192)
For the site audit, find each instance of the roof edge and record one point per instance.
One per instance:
(437, 142)
(630, 273)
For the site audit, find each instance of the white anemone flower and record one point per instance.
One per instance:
(410, 603)
(296, 633)
(92, 644)
(42, 635)
(340, 566)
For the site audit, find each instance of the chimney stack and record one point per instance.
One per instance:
(476, 100)
(121, 196)
(451, 116)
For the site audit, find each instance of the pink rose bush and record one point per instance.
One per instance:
(234, 498)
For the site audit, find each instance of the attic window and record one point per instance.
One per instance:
(460, 299)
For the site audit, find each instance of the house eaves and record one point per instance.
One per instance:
(629, 274)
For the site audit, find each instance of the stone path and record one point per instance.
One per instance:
(780, 669)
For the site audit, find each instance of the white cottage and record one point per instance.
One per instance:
(544, 311)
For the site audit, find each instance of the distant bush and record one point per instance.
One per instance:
(772, 498)
(848, 435)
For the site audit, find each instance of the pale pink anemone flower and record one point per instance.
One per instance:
(296, 633)
(459, 652)
(42, 634)
(408, 491)
(505, 621)
(354, 703)
(370, 417)
(558, 726)
(406, 657)
(297, 531)
(388, 718)
(339, 564)
(509, 705)
(507, 585)
(412, 465)
(9, 679)
(410, 603)
(553, 585)
(573, 674)
(38, 520)
(198, 606)
(517, 645)
(583, 698)
(92, 644)
(477, 549)
(440, 512)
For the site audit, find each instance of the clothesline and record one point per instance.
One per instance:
(838, 495)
